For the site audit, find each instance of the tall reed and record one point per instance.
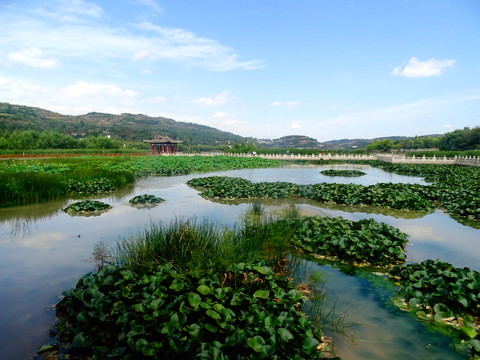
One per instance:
(186, 244)
(192, 245)
(26, 187)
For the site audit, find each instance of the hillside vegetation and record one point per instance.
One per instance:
(127, 127)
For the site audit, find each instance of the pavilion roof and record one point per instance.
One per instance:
(162, 140)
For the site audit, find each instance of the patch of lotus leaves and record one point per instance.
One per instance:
(244, 311)
(87, 208)
(438, 291)
(386, 195)
(145, 200)
(362, 243)
(344, 173)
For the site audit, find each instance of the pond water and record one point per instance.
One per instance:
(43, 251)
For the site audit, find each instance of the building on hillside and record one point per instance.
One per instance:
(163, 145)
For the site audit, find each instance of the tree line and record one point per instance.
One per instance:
(457, 140)
(33, 140)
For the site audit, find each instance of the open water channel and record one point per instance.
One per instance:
(44, 251)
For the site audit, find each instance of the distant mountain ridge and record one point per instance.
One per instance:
(291, 141)
(138, 127)
(356, 143)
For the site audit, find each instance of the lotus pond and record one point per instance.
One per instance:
(44, 251)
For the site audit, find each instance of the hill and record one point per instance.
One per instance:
(125, 126)
(290, 142)
(356, 143)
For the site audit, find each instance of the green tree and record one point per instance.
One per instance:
(466, 139)
(381, 145)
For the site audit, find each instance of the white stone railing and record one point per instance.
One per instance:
(456, 160)
(309, 157)
(467, 160)
(402, 159)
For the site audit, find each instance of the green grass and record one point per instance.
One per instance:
(23, 188)
(191, 245)
(184, 243)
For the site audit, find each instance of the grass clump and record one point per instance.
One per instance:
(28, 187)
(186, 244)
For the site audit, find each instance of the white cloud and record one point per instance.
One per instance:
(447, 126)
(157, 99)
(288, 104)
(417, 68)
(146, 72)
(152, 4)
(16, 89)
(213, 100)
(295, 126)
(86, 90)
(181, 44)
(291, 104)
(74, 99)
(140, 55)
(220, 115)
(78, 31)
(81, 7)
(71, 11)
(33, 57)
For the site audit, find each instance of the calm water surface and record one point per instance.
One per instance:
(44, 251)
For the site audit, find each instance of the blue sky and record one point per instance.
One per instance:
(266, 69)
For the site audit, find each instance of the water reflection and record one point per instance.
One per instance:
(304, 175)
(373, 328)
(44, 251)
(20, 221)
(312, 208)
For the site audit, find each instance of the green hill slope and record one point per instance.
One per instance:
(125, 126)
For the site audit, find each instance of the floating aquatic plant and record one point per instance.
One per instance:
(87, 207)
